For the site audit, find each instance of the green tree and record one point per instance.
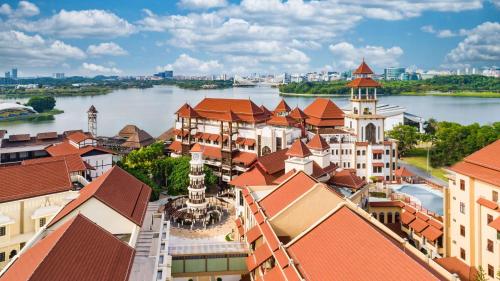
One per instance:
(42, 103)
(210, 177)
(407, 137)
(430, 126)
(481, 275)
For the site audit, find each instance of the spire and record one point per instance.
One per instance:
(282, 107)
(318, 143)
(298, 149)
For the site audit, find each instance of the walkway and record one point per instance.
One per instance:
(423, 174)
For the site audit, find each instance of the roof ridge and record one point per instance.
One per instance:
(285, 181)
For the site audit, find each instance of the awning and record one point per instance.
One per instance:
(378, 151)
(45, 211)
(249, 142)
(260, 255)
(432, 233)
(378, 164)
(407, 217)
(240, 141)
(418, 225)
(253, 234)
(5, 220)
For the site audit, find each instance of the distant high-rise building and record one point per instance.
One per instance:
(474, 71)
(58, 75)
(393, 73)
(169, 74)
(13, 74)
(7, 74)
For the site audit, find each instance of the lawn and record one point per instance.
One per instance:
(478, 94)
(418, 158)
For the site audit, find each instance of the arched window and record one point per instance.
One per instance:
(371, 133)
(389, 217)
(381, 217)
(266, 150)
(396, 217)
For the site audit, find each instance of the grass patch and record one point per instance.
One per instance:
(418, 157)
(44, 116)
(455, 94)
(377, 194)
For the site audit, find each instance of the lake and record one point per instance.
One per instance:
(153, 109)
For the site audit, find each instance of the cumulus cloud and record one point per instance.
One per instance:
(202, 4)
(78, 24)
(95, 69)
(443, 33)
(482, 45)
(348, 56)
(24, 9)
(109, 49)
(25, 50)
(186, 64)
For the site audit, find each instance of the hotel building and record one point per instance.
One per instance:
(472, 214)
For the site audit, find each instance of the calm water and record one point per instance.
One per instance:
(429, 200)
(153, 109)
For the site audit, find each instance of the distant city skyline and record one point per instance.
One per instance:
(203, 37)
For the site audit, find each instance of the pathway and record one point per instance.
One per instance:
(423, 174)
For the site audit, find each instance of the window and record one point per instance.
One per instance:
(358, 153)
(42, 222)
(364, 165)
(358, 166)
(278, 144)
(462, 207)
(462, 185)
(387, 165)
(462, 230)
(387, 152)
(363, 152)
(489, 218)
(491, 271)
(2, 256)
(462, 253)
(489, 245)
(2, 231)
(494, 196)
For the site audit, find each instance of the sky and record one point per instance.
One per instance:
(199, 37)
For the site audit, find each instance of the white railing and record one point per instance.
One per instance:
(79, 179)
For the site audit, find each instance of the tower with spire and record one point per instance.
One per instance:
(197, 203)
(363, 119)
(92, 120)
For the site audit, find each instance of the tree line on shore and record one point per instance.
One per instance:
(451, 83)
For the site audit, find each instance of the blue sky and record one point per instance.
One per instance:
(248, 36)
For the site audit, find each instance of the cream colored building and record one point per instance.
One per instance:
(471, 204)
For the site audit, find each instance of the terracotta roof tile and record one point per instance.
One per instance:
(323, 112)
(287, 121)
(283, 177)
(387, 204)
(274, 274)
(298, 149)
(495, 224)
(73, 161)
(347, 178)
(407, 218)
(432, 233)
(255, 176)
(118, 190)
(487, 203)
(418, 225)
(138, 139)
(78, 137)
(246, 158)
(266, 111)
(187, 111)
(282, 257)
(273, 162)
(260, 255)
(245, 109)
(26, 181)
(363, 68)
(196, 148)
(46, 136)
(346, 247)
(298, 114)
(77, 250)
(455, 265)
(410, 209)
(65, 148)
(253, 234)
(403, 172)
(318, 143)
(176, 146)
(282, 107)
(363, 82)
(270, 236)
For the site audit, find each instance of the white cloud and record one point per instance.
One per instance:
(482, 45)
(443, 33)
(185, 64)
(25, 50)
(348, 56)
(428, 29)
(110, 49)
(24, 9)
(202, 4)
(78, 24)
(95, 69)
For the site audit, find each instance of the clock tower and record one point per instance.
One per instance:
(197, 203)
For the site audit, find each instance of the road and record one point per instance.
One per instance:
(423, 174)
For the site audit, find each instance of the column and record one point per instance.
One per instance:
(352, 93)
(359, 93)
(375, 93)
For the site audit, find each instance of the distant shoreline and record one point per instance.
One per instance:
(468, 94)
(33, 117)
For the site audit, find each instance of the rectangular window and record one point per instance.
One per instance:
(462, 207)
(462, 254)
(363, 152)
(42, 222)
(462, 230)
(489, 218)
(358, 166)
(462, 185)
(491, 271)
(489, 245)
(2, 231)
(278, 144)
(358, 153)
(2, 256)
(364, 165)
(494, 196)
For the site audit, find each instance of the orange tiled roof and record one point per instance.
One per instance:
(65, 148)
(196, 148)
(245, 109)
(481, 165)
(77, 250)
(418, 225)
(407, 218)
(274, 162)
(266, 111)
(285, 176)
(495, 224)
(363, 68)
(282, 107)
(318, 143)
(410, 209)
(117, 189)
(176, 146)
(455, 265)
(247, 158)
(298, 114)
(260, 255)
(253, 234)
(323, 112)
(396, 203)
(287, 121)
(187, 111)
(347, 178)
(298, 149)
(26, 181)
(337, 248)
(488, 204)
(73, 161)
(403, 172)
(432, 233)
(79, 137)
(363, 82)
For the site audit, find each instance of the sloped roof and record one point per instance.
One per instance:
(187, 111)
(65, 148)
(77, 250)
(481, 165)
(363, 82)
(318, 143)
(455, 265)
(266, 111)
(282, 107)
(26, 181)
(245, 109)
(128, 130)
(79, 137)
(246, 158)
(74, 162)
(117, 189)
(139, 139)
(363, 68)
(337, 249)
(255, 176)
(176, 146)
(92, 109)
(196, 148)
(297, 114)
(347, 178)
(403, 172)
(273, 162)
(287, 121)
(324, 113)
(298, 149)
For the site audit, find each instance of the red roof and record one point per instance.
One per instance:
(347, 178)
(403, 172)
(255, 176)
(187, 111)
(229, 116)
(378, 164)
(481, 165)
(270, 236)
(455, 265)
(285, 176)
(298, 149)
(398, 204)
(176, 146)
(260, 255)
(73, 161)
(266, 111)
(487, 203)
(418, 225)
(286, 192)
(65, 148)
(432, 233)
(346, 247)
(274, 162)
(78, 137)
(407, 218)
(324, 113)
(77, 250)
(363, 68)
(253, 234)
(495, 224)
(196, 148)
(363, 83)
(410, 209)
(282, 107)
(245, 109)
(27, 181)
(318, 143)
(246, 158)
(297, 114)
(287, 121)
(212, 152)
(117, 189)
